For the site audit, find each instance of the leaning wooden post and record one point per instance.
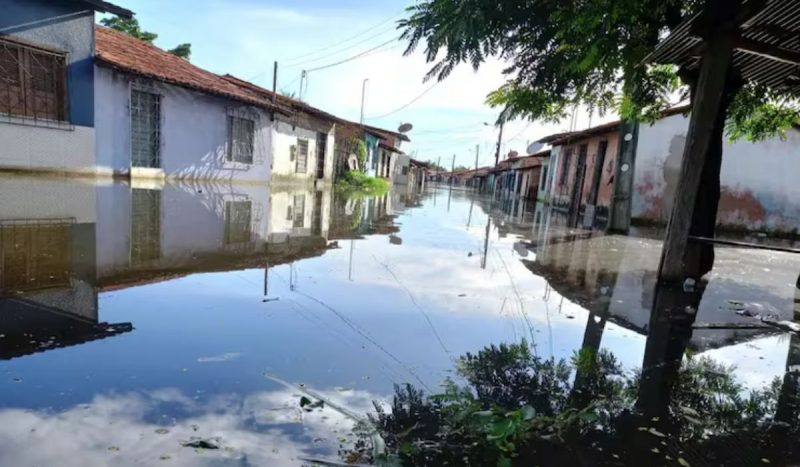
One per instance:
(716, 63)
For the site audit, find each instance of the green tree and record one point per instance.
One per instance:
(565, 53)
(132, 28)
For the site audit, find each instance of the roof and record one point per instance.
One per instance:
(767, 51)
(400, 136)
(125, 53)
(107, 7)
(390, 148)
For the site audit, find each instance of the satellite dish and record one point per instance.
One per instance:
(405, 128)
(533, 148)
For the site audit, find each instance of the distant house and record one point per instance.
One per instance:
(160, 116)
(582, 168)
(383, 151)
(47, 85)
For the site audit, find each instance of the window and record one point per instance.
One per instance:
(302, 156)
(299, 211)
(32, 82)
(565, 167)
(238, 215)
(34, 255)
(145, 129)
(241, 134)
(543, 184)
(405, 170)
(145, 243)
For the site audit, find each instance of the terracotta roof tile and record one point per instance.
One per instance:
(129, 54)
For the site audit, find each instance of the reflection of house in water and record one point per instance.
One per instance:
(354, 217)
(614, 277)
(157, 233)
(48, 294)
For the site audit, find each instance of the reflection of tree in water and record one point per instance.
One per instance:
(517, 409)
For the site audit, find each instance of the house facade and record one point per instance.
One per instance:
(47, 88)
(582, 168)
(159, 116)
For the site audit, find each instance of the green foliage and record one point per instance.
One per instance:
(590, 53)
(131, 27)
(358, 181)
(360, 148)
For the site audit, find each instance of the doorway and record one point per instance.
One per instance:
(322, 143)
(145, 129)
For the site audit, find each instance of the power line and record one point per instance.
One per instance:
(293, 64)
(354, 57)
(334, 45)
(406, 104)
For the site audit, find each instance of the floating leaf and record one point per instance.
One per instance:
(683, 462)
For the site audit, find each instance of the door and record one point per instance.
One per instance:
(145, 129)
(577, 187)
(322, 142)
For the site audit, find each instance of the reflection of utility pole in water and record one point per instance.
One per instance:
(486, 238)
(266, 279)
(350, 266)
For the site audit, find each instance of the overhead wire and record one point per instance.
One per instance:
(407, 104)
(354, 57)
(294, 64)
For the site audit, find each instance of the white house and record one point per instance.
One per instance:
(160, 116)
(47, 85)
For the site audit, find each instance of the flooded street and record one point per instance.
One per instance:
(208, 324)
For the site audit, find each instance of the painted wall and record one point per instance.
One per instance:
(194, 132)
(402, 162)
(65, 147)
(284, 166)
(563, 191)
(65, 26)
(759, 184)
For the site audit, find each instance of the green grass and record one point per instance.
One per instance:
(361, 182)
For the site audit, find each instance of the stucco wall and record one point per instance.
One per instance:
(194, 132)
(605, 192)
(759, 184)
(284, 167)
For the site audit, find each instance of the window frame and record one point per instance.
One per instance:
(299, 155)
(237, 126)
(41, 77)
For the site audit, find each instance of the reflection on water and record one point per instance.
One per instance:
(140, 323)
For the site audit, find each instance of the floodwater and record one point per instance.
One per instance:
(218, 324)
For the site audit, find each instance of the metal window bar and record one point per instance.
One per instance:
(145, 129)
(302, 156)
(33, 83)
(238, 218)
(34, 254)
(241, 139)
(145, 243)
(299, 211)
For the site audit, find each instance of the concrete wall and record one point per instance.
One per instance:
(194, 132)
(285, 136)
(563, 192)
(63, 147)
(759, 184)
(402, 161)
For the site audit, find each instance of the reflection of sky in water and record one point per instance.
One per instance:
(202, 344)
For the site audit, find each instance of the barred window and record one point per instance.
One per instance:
(302, 156)
(238, 216)
(299, 211)
(565, 167)
(241, 135)
(32, 82)
(145, 129)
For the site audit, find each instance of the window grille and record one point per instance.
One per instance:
(241, 136)
(238, 218)
(145, 226)
(302, 156)
(145, 129)
(34, 255)
(33, 82)
(299, 211)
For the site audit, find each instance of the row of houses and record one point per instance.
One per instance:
(622, 174)
(79, 98)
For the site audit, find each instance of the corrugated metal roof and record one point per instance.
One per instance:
(776, 25)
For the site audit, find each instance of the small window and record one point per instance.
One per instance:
(241, 133)
(299, 211)
(32, 82)
(544, 177)
(302, 156)
(238, 215)
(405, 170)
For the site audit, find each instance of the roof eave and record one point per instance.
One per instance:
(106, 7)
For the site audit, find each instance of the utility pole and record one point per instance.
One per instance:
(453, 165)
(477, 149)
(499, 143)
(274, 89)
(303, 76)
(363, 98)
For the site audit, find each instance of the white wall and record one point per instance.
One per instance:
(759, 180)
(284, 167)
(65, 149)
(194, 131)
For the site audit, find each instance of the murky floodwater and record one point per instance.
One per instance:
(215, 324)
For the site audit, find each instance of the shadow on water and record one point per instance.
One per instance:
(259, 326)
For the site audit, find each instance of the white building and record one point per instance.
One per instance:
(160, 116)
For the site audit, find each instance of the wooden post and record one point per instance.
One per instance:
(707, 103)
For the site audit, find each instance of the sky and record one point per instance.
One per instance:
(245, 37)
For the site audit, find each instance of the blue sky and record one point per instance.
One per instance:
(244, 37)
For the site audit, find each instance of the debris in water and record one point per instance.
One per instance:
(202, 443)
(219, 358)
(688, 285)
(113, 448)
(161, 431)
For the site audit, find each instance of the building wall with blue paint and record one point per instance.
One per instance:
(67, 146)
(62, 25)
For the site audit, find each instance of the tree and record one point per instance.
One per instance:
(566, 53)
(131, 27)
